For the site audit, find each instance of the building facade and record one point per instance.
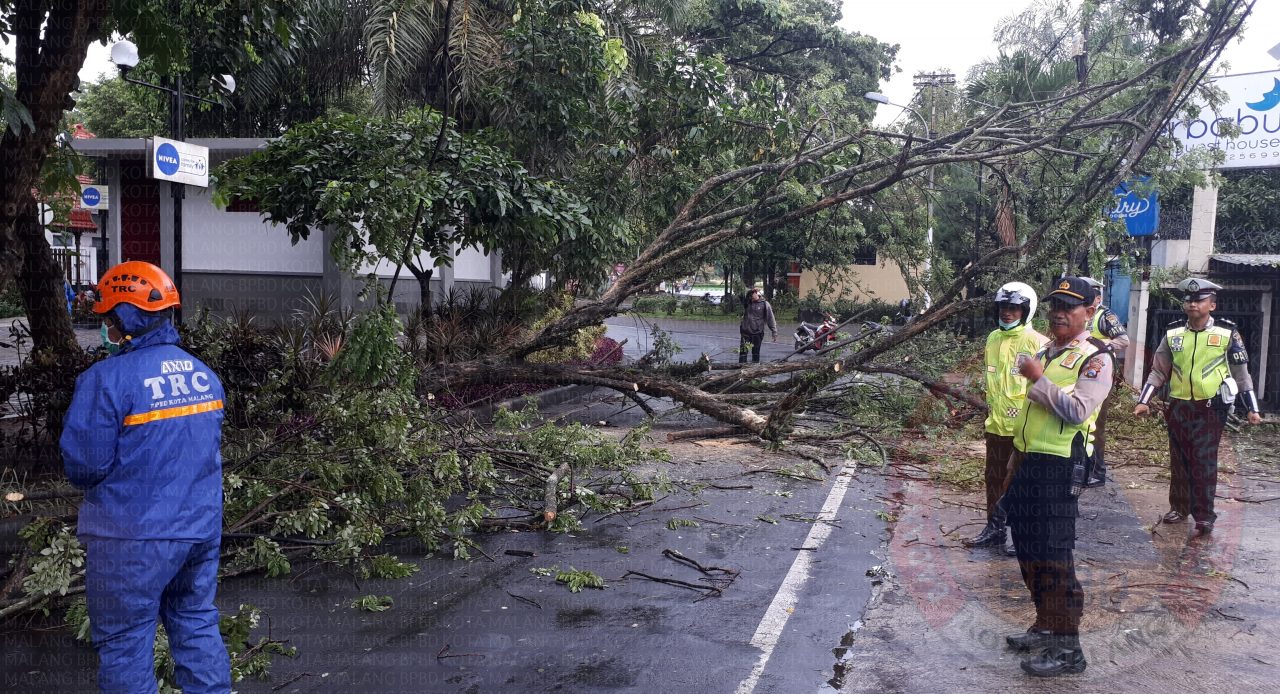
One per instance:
(232, 259)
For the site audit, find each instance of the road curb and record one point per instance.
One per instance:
(546, 398)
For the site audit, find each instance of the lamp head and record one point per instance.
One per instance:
(125, 55)
(876, 97)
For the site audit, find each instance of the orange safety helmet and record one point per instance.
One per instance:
(138, 283)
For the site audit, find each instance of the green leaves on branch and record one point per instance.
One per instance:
(391, 194)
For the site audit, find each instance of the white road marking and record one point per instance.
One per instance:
(784, 601)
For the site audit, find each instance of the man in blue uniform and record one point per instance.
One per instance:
(142, 438)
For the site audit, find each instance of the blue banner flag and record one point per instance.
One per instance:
(1141, 213)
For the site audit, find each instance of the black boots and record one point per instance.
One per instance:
(1062, 656)
(1204, 528)
(991, 536)
(1033, 639)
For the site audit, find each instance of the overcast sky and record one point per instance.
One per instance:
(932, 35)
(955, 35)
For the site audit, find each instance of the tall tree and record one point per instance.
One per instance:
(51, 41)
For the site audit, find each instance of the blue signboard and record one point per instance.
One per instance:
(1141, 213)
(91, 196)
(168, 159)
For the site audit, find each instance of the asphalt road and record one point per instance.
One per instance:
(491, 625)
(801, 551)
(719, 339)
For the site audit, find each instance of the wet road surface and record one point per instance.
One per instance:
(494, 625)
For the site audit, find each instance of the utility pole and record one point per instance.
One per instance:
(931, 80)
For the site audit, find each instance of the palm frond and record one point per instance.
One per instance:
(475, 47)
(399, 36)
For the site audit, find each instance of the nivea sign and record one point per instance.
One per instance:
(1253, 105)
(94, 197)
(180, 162)
(1140, 212)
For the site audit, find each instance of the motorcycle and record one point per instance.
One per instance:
(814, 336)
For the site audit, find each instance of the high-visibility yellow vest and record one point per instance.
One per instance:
(1199, 361)
(1006, 387)
(1038, 429)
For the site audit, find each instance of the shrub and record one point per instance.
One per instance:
(731, 304)
(10, 301)
(646, 304)
(784, 300)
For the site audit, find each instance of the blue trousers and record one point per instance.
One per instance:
(131, 583)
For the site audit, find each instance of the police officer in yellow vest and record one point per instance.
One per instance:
(1204, 363)
(1012, 342)
(1105, 326)
(1069, 378)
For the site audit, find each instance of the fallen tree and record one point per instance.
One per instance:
(1069, 150)
(1081, 143)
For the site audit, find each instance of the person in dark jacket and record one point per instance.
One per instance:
(757, 315)
(142, 438)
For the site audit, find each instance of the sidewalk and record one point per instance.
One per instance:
(10, 356)
(1162, 609)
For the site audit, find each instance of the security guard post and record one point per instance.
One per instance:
(1105, 326)
(1012, 342)
(142, 439)
(1204, 363)
(1069, 380)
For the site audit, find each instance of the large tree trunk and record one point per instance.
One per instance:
(46, 66)
(748, 272)
(40, 283)
(424, 287)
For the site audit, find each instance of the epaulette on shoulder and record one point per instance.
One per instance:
(1176, 324)
(1224, 322)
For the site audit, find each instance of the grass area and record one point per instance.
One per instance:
(966, 473)
(1133, 440)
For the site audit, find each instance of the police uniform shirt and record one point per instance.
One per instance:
(1106, 326)
(1091, 389)
(1237, 359)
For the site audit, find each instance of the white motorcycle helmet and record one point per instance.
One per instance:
(1019, 294)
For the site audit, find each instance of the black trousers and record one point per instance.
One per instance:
(1099, 469)
(752, 340)
(1195, 429)
(1042, 516)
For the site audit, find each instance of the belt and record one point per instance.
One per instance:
(1206, 404)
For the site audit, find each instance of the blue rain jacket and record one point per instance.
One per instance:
(142, 438)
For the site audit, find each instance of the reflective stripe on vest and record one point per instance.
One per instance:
(171, 412)
(1199, 361)
(1038, 429)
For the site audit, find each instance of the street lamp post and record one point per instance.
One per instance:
(125, 55)
(928, 135)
